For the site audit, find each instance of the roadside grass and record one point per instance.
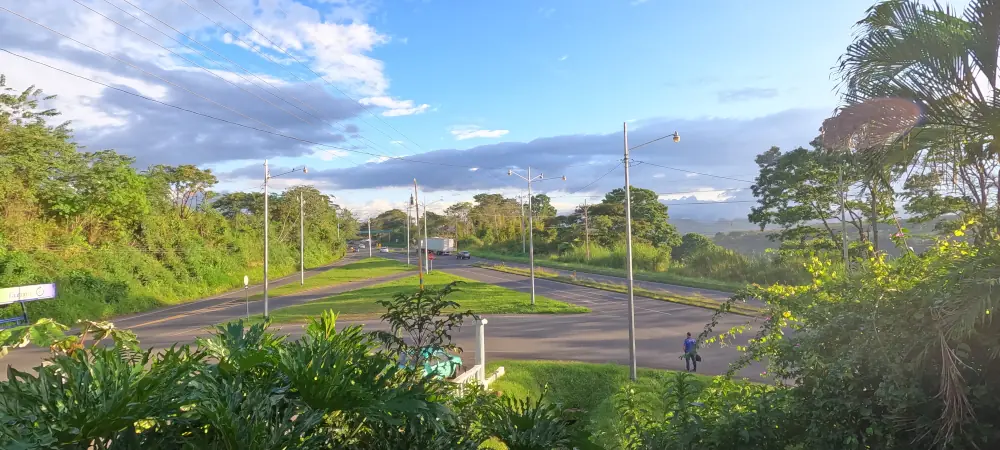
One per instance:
(481, 298)
(588, 389)
(690, 300)
(659, 277)
(362, 270)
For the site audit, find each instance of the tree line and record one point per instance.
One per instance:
(116, 239)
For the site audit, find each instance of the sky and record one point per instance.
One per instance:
(370, 95)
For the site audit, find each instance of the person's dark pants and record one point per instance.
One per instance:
(690, 361)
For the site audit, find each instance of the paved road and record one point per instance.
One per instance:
(719, 296)
(600, 336)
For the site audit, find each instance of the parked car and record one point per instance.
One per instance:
(383, 250)
(464, 255)
(444, 253)
(436, 362)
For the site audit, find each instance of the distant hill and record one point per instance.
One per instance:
(745, 237)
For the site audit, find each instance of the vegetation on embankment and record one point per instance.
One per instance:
(690, 300)
(117, 240)
(480, 298)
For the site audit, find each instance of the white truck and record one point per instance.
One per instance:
(440, 246)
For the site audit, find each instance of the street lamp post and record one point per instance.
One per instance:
(531, 234)
(408, 230)
(633, 369)
(267, 219)
(302, 240)
(369, 236)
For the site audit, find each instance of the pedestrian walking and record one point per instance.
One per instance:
(691, 353)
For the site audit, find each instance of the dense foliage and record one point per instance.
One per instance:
(116, 240)
(245, 388)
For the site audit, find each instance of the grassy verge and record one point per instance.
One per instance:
(587, 388)
(658, 277)
(481, 298)
(362, 270)
(690, 300)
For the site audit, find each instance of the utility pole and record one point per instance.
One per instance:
(369, 236)
(531, 241)
(408, 230)
(416, 205)
(427, 260)
(267, 220)
(267, 176)
(531, 234)
(586, 227)
(633, 372)
(302, 240)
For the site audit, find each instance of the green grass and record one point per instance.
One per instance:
(587, 388)
(481, 298)
(690, 300)
(365, 269)
(658, 277)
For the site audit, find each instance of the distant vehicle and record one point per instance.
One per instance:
(383, 250)
(464, 255)
(444, 253)
(438, 245)
(436, 362)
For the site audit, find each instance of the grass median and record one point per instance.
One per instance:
(364, 269)
(481, 298)
(657, 277)
(587, 389)
(690, 300)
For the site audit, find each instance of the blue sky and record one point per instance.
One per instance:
(544, 82)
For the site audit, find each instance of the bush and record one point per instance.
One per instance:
(644, 257)
(692, 243)
(247, 388)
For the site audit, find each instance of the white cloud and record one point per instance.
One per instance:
(690, 175)
(637, 2)
(396, 142)
(395, 107)
(659, 175)
(378, 159)
(330, 155)
(563, 57)
(464, 132)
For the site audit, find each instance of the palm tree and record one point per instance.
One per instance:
(919, 85)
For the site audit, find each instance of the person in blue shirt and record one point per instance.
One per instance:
(690, 353)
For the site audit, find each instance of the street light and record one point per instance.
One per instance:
(628, 248)
(531, 234)
(408, 206)
(267, 177)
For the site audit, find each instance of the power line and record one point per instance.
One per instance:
(249, 127)
(253, 48)
(696, 173)
(181, 56)
(136, 67)
(230, 61)
(317, 74)
(593, 182)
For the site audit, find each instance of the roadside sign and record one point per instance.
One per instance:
(430, 256)
(27, 293)
(246, 281)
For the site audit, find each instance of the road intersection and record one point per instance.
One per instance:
(600, 336)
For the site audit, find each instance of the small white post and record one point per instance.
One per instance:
(481, 350)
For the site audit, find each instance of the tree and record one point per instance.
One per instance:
(649, 219)
(943, 64)
(183, 184)
(691, 243)
(233, 204)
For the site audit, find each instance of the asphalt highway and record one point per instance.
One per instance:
(600, 336)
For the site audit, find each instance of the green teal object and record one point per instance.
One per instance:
(436, 362)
